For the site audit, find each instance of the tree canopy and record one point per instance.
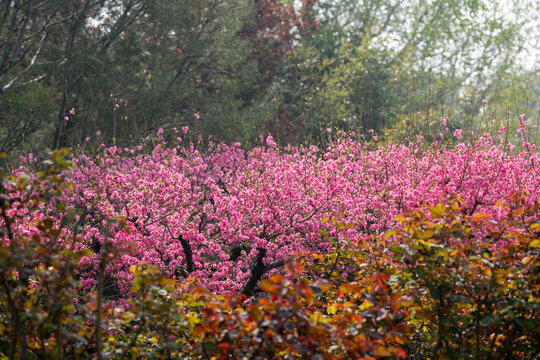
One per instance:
(236, 69)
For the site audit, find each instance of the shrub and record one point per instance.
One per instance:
(475, 280)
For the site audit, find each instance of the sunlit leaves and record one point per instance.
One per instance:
(460, 279)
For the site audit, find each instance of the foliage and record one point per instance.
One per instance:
(475, 280)
(38, 315)
(235, 69)
(376, 64)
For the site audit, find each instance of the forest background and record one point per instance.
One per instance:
(236, 69)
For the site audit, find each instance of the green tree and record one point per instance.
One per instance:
(48, 49)
(163, 62)
(419, 56)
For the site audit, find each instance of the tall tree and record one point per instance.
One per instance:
(49, 48)
(374, 59)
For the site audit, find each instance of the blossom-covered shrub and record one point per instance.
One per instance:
(304, 253)
(213, 214)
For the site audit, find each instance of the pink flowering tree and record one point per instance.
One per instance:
(227, 218)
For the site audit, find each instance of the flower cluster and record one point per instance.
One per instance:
(215, 215)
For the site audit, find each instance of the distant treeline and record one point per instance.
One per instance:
(236, 69)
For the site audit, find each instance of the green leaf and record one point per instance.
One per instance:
(396, 249)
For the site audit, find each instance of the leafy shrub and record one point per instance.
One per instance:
(475, 280)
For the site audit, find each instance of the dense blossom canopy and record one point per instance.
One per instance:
(216, 214)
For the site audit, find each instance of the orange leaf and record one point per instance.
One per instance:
(269, 286)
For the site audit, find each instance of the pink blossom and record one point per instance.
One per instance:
(270, 141)
(287, 191)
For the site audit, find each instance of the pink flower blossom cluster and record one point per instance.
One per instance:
(210, 213)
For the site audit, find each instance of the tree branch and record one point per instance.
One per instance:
(259, 269)
(188, 252)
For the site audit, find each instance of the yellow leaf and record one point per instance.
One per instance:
(426, 235)
(535, 243)
(332, 309)
(256, 313)
(436, 211)
(382, 351)
(365, 305)
(480, 217)
(325, 287)
(193, 320)
(317, 318)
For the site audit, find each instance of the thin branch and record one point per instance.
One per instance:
(315, 211)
